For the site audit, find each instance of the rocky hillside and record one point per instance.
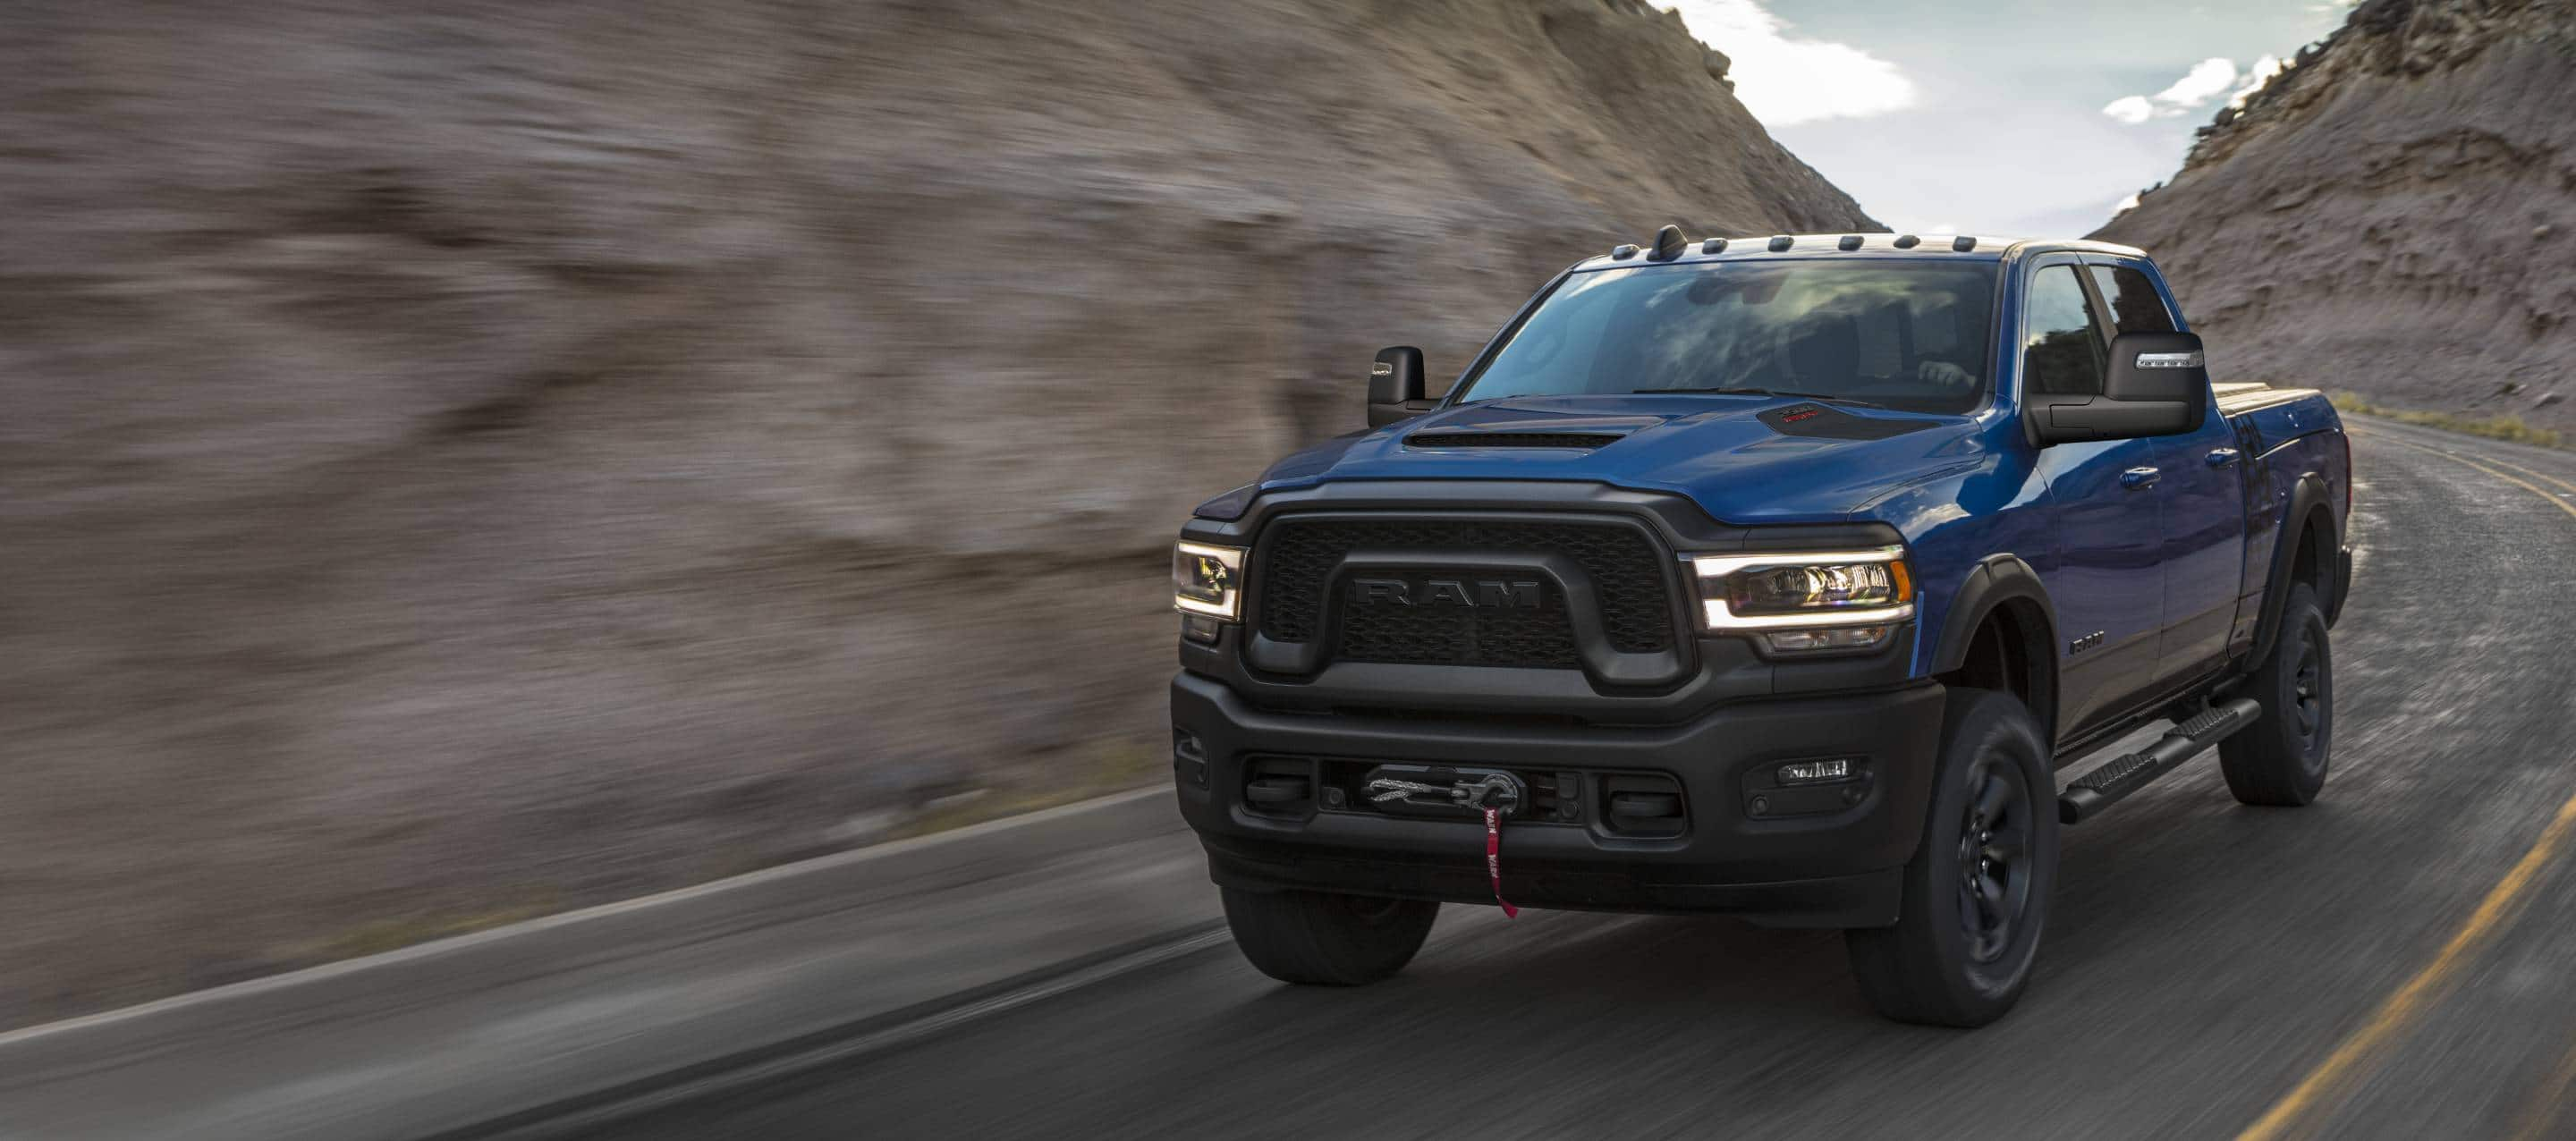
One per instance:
(464, 460)
(2393, 216)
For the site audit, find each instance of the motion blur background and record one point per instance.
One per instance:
(464, 461)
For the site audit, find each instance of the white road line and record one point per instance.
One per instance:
(448, 946)
(683, 1092)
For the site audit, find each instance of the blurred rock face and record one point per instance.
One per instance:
(463, 458)
(2395, 215)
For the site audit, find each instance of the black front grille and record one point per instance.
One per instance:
(1509, 440)
(1626, 569)
(1533, 636)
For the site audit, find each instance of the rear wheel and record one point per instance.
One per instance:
(2281, 758)
(1976, 892)
(1327, 938)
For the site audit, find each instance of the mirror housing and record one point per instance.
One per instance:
(1395, 386)
(2158, 386)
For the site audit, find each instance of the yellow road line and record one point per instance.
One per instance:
(2535, 489)
(2428, 985)
(2524, 470)
(2489, 459)
(2439, 976)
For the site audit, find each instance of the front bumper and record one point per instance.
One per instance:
(1829, 868)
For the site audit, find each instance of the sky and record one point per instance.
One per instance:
(2015, 118)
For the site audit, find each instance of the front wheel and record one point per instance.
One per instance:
(1976, 892)
(2280, 759)
(1327, 938)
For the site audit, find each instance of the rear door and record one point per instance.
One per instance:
(2106, 569)
(2201, 486)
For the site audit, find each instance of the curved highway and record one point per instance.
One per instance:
(2395, 960)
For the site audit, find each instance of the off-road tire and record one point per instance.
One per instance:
(1977, 889)
(1327, 938)
(2281, 758)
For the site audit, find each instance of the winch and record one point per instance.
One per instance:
(1494, 794)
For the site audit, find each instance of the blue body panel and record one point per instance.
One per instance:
(2169, 575)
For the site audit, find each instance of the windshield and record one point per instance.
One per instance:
(1902, 334)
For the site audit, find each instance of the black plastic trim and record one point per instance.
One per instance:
(2342, 586)
(2309, 500)
(1996, 580)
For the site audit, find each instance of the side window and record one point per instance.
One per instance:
(2135, 308)
(2061, 355)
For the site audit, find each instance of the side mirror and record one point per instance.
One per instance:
(2158, 386)
(1395, 386)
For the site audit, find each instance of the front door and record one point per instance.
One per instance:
(2201, 477)
(2106, 575)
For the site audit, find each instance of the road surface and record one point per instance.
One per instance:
(2393, 961)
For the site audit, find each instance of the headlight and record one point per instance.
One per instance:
(1819, 601)
(1207, 580)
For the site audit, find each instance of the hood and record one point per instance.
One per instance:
(1745, 459)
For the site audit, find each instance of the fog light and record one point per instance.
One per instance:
(1848, 638)
(1816, 772)
(1200, 628)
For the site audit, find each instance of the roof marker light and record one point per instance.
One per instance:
(1779, 242)
(1962, 244)
(1668, 244)
(1713, 246)
(1849, 243)
(1908, 242)
(1623, 253)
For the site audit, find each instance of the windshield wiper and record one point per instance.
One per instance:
(1768, 392)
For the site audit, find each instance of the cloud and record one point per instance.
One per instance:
(1783, 79)
(2263, 71)
(2131, 109)
(2125, 205)
(2206, 80)
(2199, 85)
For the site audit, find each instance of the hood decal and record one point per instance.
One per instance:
(1825, 422)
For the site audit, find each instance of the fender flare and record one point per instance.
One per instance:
(1999, 579)
(2310, 501)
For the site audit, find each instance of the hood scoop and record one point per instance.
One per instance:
(1582, 441)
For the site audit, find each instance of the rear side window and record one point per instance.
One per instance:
(2062, 353)
(2135, 307)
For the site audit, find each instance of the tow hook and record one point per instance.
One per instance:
(1496, 795)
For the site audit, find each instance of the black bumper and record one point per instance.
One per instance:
(1833, 867)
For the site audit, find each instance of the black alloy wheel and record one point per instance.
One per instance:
(1994, 865)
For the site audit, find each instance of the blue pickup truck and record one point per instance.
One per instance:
(1777, 577)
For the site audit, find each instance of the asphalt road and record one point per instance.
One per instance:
(2392, 961)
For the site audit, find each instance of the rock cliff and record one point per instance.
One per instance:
(470, 459)
(2394, 215)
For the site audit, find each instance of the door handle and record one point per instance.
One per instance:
(2138, 478)
(2221, 457)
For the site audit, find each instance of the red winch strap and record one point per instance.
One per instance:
(1494, 858)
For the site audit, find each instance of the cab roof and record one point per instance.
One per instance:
(1961, 246)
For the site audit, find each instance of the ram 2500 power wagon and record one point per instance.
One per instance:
(1774, 577)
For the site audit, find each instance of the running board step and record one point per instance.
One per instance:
(2103, 787)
